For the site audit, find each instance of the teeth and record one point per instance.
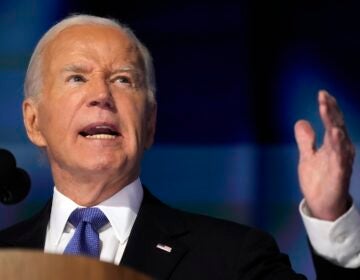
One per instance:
(100, 136)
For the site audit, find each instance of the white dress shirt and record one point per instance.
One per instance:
(337, 241)
(121, 210)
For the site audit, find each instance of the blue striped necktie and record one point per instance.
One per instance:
(85, 240)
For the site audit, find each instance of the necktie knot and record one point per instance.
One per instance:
(93, 216)
(85, 240)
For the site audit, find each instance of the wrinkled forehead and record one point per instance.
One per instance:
(95, 41)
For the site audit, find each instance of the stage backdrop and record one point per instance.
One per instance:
(232, 80)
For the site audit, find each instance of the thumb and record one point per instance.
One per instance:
(305, 138)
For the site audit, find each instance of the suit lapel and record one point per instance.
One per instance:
(28, 234)
(154, 246)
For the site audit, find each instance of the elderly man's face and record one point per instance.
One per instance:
(93, 116)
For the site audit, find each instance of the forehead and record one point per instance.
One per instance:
(99, 43)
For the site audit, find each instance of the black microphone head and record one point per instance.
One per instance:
(14, 182)
(15, 187)
(7, 162)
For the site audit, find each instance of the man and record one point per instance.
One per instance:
(331, 220)
(90, 104)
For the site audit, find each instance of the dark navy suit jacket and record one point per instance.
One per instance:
(201, 247)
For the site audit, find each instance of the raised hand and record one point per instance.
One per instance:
(324, 172)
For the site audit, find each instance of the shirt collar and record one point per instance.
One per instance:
(121, 210)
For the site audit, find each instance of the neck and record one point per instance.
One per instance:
(90, 189)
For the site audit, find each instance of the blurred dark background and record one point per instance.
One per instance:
(233, 77)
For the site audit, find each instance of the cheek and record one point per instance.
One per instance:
(62, 102)
(55, 120)
(136, 119)
(132, 120)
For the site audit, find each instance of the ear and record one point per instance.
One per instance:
(31, 122)
(151, 125)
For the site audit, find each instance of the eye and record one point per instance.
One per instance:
(76, 79)
(122, 80)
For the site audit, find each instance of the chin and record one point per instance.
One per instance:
(102, 166)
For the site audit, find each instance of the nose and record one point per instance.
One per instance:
(101, 96)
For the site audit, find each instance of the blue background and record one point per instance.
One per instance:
(233, 77)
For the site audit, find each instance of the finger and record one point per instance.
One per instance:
(335, 130)
(305, 138)
(336, 138)
(340, 142)
(330, 113)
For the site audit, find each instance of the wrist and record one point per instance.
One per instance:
(330, 212)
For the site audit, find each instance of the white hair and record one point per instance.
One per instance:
(34, 80)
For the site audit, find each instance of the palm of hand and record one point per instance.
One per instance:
(324, 173)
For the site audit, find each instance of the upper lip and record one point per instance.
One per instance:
(100, 128)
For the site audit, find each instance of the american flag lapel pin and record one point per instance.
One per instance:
(164, 247)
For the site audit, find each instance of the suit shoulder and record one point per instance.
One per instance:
(198, 223)
(218, 227)
(20, 232)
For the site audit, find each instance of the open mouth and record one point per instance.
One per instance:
(100, 131)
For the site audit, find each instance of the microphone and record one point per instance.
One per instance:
(14, 181)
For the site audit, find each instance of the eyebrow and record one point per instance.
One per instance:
(77, 68)
(125, 69)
